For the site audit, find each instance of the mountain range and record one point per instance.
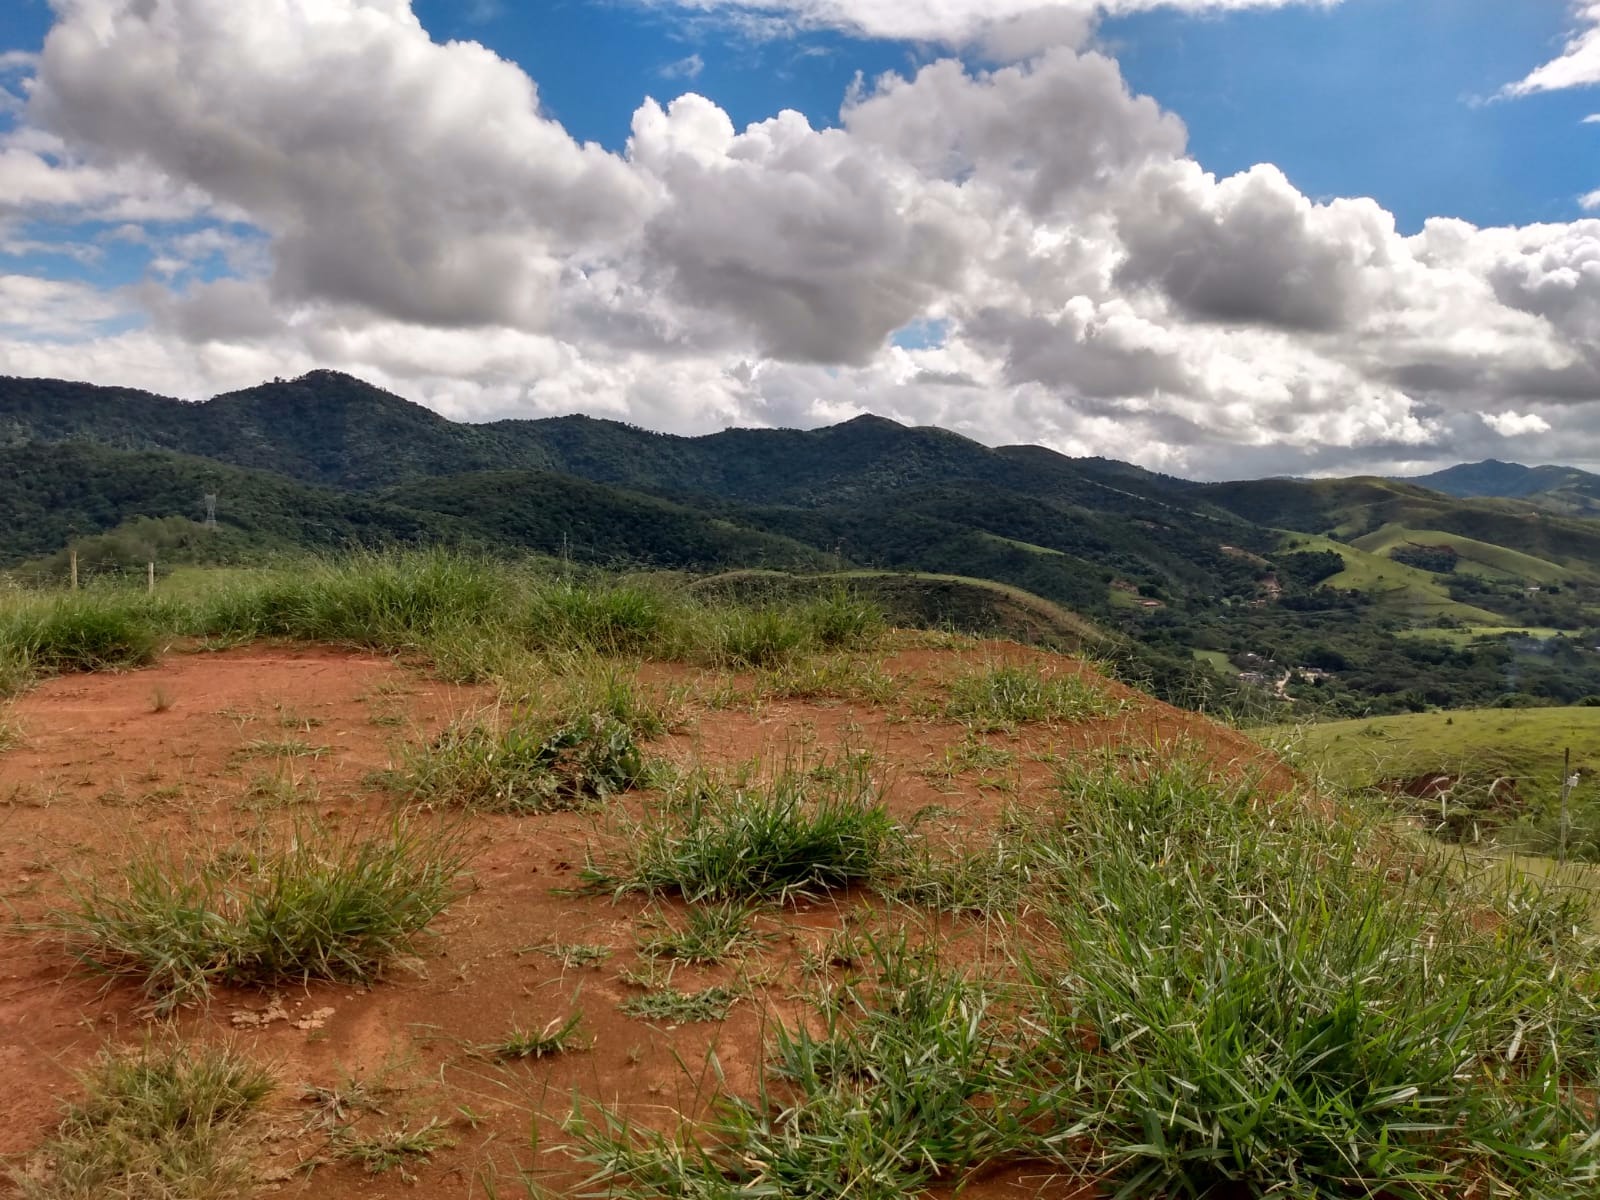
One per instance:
(327, 461)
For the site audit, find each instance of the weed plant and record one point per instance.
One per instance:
(674, 1007)
(391, 1149)
(710, 933)
(165, 1121)
(558, 1037)
(803, 832)
(319, 908)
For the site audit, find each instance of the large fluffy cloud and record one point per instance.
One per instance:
(319, 183)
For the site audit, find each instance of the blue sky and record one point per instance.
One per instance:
(1381, 98)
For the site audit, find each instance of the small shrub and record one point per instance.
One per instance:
(1000, 697)
(160, 1122)
(312, 910)
(804, 832)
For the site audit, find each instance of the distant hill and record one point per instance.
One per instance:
(1382, 589)
(1563, 489)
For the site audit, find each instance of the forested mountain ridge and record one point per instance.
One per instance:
(1349, 595)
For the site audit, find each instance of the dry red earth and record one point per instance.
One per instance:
(186, 752)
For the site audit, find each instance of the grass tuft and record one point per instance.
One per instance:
(711, 933)
(1001, 697)
(163, 1122)
(673, 1007)
(810, 829)
(524, 765)
(558, 1037)
(316, 909)
(391, 1149)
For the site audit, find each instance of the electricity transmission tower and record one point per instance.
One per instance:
(211, 510)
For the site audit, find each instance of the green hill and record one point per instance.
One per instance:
(1488, 772)
(1562, 489)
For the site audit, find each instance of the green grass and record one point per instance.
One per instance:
(992, 881)
(1482, 558)
(164, 1122)
(1281, 1013)
(528, 762)
(809, 829)
(1473, 633)
(67, 634)
(1001, 697)
(558, 1037)
(320, 907)
(710, 933)
(1231, 996)
(1505, 764)
(1405, 591)
(575, 954)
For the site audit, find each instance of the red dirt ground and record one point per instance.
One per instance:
(175, 753)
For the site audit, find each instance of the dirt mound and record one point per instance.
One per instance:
(202, 749)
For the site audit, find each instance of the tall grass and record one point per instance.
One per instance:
(320, 907)
(472, 617)
(161, 1123)
(1283, 1006)
(1001, 696)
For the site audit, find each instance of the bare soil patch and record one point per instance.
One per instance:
(202, 748)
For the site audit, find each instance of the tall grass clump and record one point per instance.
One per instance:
(525, 764)
(317, 908)
(92, 632)
(611, 618)
(385, 601)
(1279, 1006)
(809, 829)
(1001, 697)
(582, 748)
(161, 1123)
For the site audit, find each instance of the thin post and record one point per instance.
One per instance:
(150, 577)
(1566, 792)
(72, 558)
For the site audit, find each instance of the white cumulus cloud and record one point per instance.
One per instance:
(1578, 64)
(1512, 424)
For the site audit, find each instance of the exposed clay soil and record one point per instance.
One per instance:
(184, 752)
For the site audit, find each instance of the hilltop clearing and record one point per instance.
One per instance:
(427, 874)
